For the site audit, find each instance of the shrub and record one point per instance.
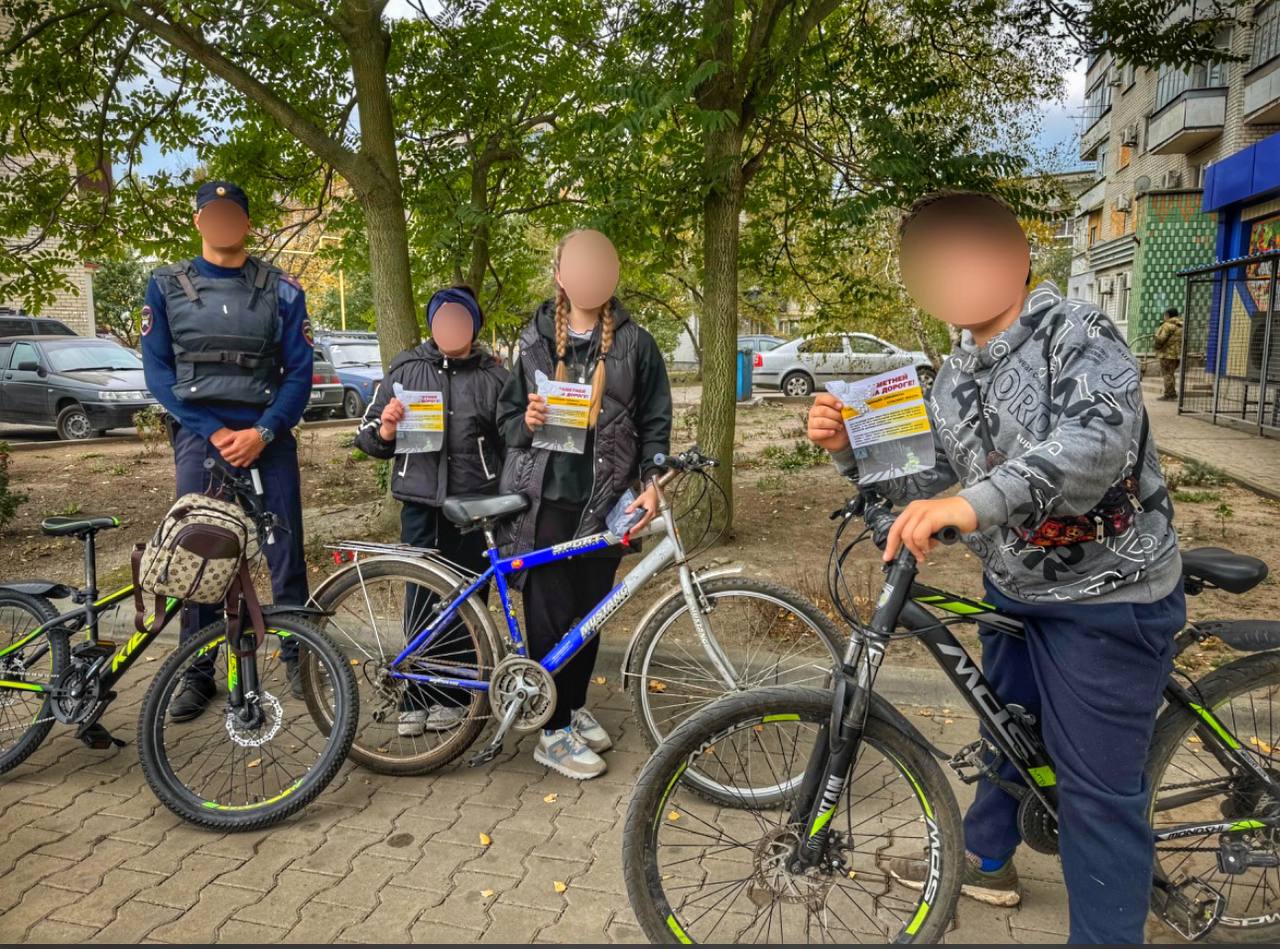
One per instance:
(10, 500)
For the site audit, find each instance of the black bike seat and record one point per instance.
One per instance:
(62, 526)
(472, 510)
(1232, 572)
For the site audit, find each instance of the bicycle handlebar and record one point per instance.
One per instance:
(249, 493)
(879, 517)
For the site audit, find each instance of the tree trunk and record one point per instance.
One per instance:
(922, 336)
(381, 192)
(719, 324)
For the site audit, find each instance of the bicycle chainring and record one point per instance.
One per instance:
(71, 709)
(521, 680)
(1038, 827)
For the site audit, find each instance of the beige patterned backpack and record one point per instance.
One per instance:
(196, 551)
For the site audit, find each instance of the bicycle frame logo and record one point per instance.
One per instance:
(1001, 718)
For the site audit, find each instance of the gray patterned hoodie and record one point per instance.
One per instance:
(1063, 403)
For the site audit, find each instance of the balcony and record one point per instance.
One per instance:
(1262, 94)
(1097, 129)
(1092, 198)
(1191, 119)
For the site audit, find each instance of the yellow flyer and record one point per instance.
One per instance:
(422, 428)
(568, 414)
(888, 424)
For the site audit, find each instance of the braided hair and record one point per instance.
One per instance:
(562, 335)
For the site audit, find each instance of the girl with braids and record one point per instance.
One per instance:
(582, 335)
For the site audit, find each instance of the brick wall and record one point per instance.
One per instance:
(1173, 235)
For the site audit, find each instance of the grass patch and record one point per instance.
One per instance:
(1196, 497)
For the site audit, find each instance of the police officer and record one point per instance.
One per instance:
(227, 350)
(1169, 350)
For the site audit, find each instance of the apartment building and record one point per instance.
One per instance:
(1153, 134)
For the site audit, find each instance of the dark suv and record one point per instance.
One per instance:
(16, 323)
(82, 386)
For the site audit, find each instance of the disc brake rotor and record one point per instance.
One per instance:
(257, 736)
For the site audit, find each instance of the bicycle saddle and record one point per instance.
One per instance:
(62, 526)
(1233, 572)
(472, 510)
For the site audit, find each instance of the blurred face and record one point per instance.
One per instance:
(451, 329)
(588, 270)
(223, 225)
(965, 260)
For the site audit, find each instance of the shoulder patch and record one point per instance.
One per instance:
(146, 320)
(290, 279)
(307, 334)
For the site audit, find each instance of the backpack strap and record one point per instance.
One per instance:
(140, 608)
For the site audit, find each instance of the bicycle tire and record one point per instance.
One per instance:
(42, 611)
(640, 676)
(188, 804)
(1176, 726)
(707, 729)
(380, 752)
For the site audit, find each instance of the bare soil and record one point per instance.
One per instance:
(785, 492)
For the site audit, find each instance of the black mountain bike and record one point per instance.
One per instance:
(248, 761)
(716, 860)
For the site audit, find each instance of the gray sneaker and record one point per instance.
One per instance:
(440, 718)
(998, 888)
(564, 751)
(590, 731)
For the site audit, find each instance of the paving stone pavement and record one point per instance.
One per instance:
(88, 854)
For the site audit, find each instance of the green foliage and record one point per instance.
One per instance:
(10, 500)
(804, 454)
(1196, 497)
(382, 475)
(152, 430)
(1201, 474)
(358, 454)
(118, 290)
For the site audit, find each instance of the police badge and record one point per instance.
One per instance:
(146, 320)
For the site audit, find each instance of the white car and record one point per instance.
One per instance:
(802, 365)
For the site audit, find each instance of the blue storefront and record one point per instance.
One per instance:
(1231, 348)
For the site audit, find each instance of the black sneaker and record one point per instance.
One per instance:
(998, 888)
(294, 672)
(197, 692)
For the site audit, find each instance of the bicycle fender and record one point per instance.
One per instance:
(278, 609)
(675, 593)
(54, 591)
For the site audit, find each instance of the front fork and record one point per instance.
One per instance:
(839, 740)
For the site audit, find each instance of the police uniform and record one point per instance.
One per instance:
(232, 348)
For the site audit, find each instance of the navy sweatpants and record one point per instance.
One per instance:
(1092, 675)
(281, 486)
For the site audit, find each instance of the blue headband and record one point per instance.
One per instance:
(452, 295)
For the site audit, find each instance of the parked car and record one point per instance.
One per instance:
(80, 385)
(759, 343)
(801, 365)
(358, 361)
(326, 390)
(16, 323)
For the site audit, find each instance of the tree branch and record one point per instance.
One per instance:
(43, 25)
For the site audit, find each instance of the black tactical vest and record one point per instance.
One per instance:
(615, 462)
(225, 332)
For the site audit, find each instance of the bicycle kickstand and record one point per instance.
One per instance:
(494, 745)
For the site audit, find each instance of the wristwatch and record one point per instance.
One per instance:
(264, 433)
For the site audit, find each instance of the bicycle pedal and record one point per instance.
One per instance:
(1191, 915)
(484, 755)
(98, 738)
(970, 763)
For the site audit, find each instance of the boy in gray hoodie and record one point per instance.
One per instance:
(1038, 416)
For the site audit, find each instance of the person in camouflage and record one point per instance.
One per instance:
(1169, 351)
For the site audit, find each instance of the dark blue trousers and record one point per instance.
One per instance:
(1092, 675)
(281, 484)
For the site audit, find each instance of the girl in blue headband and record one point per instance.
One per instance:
(469, 460)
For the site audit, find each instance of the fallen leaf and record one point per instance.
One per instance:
(383, 751)
(550, 798)
(486, 893)
(151, 658)
(656, 686)
(946, 711)
(853, 874)
(674, 815)
(757, 728)
(1194, 739)
(601, 680)
(1261, 745)
(254, 763)
(355, 662)
(948, 721)
(485, 840)
(560, 887)
(925, 712)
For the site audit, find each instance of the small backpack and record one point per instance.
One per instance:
(196, 551)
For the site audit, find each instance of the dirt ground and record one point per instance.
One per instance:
(785, 494)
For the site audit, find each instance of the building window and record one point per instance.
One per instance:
(1100, 170)
(1173, 82)
(1266, 34)
(1097, 102)
(1130, 75)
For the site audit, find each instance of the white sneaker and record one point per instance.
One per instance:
(412, 723)
(443, 718)
(562, 750)
(590, 731)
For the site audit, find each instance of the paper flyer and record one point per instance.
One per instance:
(568, 412)
(422, 428)
(888, 424)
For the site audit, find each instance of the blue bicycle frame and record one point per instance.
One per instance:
(500, 568)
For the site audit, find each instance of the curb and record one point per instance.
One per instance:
(1247, 483)
(80, 443)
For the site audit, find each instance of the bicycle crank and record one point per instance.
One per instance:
(526, 685)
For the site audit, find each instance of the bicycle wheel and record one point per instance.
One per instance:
(25, 715)
(771, 635)
(243, 769)
(697, 872)
(1191, 785)
(376, 607)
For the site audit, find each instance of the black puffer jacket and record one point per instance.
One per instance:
(470, 388)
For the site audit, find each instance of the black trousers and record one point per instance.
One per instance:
(424, 526)
(556, 596)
